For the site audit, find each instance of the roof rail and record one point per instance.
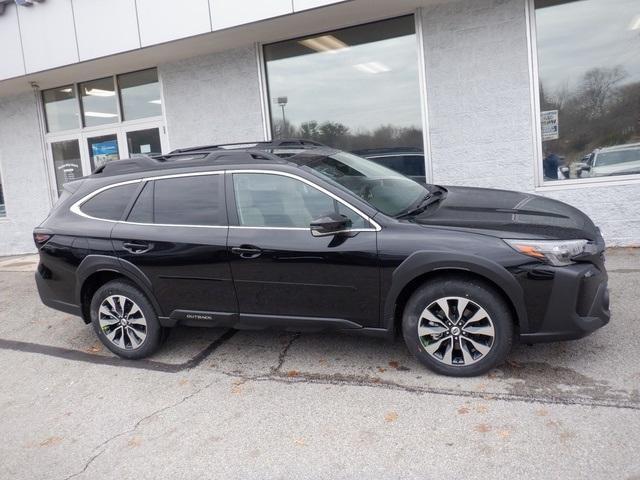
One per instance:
(279, 143)
(139, 163)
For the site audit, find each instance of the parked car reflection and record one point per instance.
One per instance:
(616, 160)
(408, 161)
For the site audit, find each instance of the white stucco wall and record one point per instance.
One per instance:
(480, 112)
(24, 182)
(213, 99)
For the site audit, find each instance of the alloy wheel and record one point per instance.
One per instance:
(456, 331)
(122, 322)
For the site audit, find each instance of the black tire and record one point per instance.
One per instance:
(155, 333)
(481, 295)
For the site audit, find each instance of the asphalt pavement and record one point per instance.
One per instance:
(216, 403)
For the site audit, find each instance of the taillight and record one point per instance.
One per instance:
(41, 238)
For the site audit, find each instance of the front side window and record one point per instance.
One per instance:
(193, 200)
(109, 204)
(589, 72)
(355, 88)
(268, 200)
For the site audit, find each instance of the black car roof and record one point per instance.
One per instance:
(285, 151)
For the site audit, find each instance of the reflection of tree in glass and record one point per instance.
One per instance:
(600, 110)
(338, 135)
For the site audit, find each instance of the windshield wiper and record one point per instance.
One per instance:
(428, 200)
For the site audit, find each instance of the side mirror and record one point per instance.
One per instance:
(330, 224)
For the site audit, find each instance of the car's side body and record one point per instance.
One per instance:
(356, 282)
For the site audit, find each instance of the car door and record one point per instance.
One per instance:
(281, 270)
(176, 233)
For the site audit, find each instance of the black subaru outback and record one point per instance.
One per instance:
(299, 236)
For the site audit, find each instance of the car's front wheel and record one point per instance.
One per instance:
(125, 321)
(457, 326)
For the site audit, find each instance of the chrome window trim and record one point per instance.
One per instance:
(75, 208)
(376, 226)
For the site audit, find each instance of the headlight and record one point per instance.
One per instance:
(554, 252)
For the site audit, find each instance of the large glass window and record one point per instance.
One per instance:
(140, 94)
(355, 88)
(99, 103)
(61, 108)
(589, 71)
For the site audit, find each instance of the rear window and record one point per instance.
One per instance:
(197, 200)
(110, 204)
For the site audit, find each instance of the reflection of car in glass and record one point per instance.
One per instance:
(408, 161)
(321, 239)
(618, 160)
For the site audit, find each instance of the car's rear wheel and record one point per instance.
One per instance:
(458, 327)
(125, 321)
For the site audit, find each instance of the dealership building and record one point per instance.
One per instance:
(541, 96)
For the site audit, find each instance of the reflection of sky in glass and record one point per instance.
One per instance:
(578, 36)
(61, 108)
(140, 93)
(341, 85)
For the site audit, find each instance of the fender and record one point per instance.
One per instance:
(102, 263)
(421, 262)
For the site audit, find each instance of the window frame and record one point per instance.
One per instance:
(230, 204)
(267, 105)
(81, 134)
(540, 184)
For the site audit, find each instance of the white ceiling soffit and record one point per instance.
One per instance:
(307, 22)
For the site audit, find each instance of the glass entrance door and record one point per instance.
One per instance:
(79, 154)
(67, 161)
(103, 149)
(145, 141)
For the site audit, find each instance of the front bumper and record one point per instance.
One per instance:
(578, 303)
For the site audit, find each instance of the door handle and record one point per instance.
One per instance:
(137, 247)
(247, 251)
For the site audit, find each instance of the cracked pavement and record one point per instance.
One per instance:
(224, 404)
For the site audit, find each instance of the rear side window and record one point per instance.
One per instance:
(197, 200)
(110, 204)
(142, 211)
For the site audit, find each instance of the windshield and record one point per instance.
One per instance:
(614, 158)
(384, 189)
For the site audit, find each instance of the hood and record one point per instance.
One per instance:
(508, 214)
